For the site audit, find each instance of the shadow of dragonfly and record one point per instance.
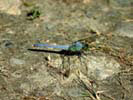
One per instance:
(61, 52)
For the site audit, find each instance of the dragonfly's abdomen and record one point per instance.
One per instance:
(65, 47)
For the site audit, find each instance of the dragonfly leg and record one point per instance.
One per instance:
(65, 68)
(83, 61)
(63, 61)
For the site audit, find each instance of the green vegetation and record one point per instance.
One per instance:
(33, 13)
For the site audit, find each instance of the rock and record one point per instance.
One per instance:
(102, 67)
(7, 44)
(125, 29)
(15, 61)
(121, 3)
(10, 6)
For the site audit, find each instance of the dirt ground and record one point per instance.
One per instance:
(103, 71)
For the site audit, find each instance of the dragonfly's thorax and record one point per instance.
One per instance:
(76, 46)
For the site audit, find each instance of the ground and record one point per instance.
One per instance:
(102, 72)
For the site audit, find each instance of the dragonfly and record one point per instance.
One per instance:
(78, 48)
(74, 47)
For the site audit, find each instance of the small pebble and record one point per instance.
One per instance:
(7, 44)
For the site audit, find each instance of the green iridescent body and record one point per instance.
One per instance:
(76, 47)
